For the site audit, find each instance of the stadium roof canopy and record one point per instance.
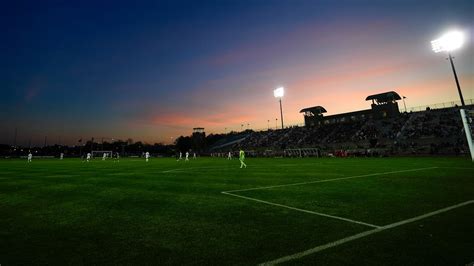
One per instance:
(314, 110)
(384, 97)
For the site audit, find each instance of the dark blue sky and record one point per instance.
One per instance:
(154, 70)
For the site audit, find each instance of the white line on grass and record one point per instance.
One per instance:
(363, 234)
(303, 210)
(203, 168)
(190, 168)
(333, 179)
(230, 167)
(462, 168)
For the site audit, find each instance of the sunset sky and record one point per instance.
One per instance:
(152, 71)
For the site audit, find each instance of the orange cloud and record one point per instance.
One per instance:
(194, 120)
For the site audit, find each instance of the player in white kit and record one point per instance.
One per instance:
(88, 157)
(30, 157)
(147, 156)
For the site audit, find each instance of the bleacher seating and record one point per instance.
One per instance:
(427, 132)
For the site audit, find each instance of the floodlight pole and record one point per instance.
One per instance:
(456, 78)
(404, 105)
(281, 114)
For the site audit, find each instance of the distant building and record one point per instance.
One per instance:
(198, 139)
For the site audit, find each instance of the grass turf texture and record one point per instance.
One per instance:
(168, 212)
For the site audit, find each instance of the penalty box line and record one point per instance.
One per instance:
(330, 180)
(303, 210)
(362, 235)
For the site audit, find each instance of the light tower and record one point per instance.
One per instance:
(447, 43)
(278, 93)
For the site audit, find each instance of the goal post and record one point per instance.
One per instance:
(100, 154)
(467, 117)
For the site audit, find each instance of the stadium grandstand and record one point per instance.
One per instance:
(381, 130)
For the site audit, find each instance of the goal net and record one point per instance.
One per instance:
(100, 154)
(303, 152)
(467, 117)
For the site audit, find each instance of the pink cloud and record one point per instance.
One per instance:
(305, 38)
(202, 120)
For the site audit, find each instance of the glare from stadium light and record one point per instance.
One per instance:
(278, 93)
(448, 42)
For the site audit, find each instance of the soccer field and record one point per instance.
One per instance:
(330, 211)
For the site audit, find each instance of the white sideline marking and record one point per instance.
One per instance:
(330, 180)
(230, 167)
(190, 168)
(303, 210)
(363, 234)
(462, 168)
(194, 168)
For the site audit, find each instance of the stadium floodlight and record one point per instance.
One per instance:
(447, 43)
(278, 93)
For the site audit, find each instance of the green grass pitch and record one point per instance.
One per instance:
(167, 212)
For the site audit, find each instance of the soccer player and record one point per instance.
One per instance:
(104, 156)
(147, 156)
(117, 157)
(88, 156)
(30, 157)
(242, 158)
(180, 156)
(61, 156)
(194, 156)
(229, 156)
(187, 156)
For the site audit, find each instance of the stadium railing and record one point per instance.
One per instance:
(439, 105)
